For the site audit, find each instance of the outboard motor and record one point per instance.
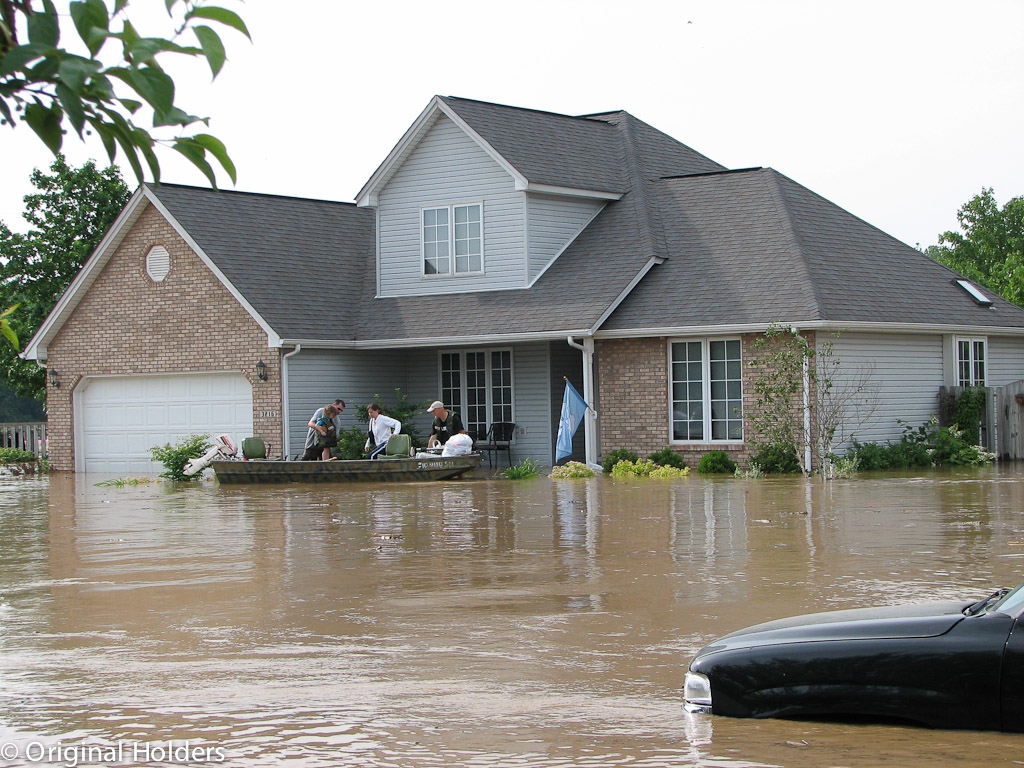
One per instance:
(222, 448)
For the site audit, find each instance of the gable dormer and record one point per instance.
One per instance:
(457, 214)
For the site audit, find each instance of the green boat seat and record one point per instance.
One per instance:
(399, 446)
(254, 448)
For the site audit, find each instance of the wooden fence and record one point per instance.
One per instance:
(24, 435)
(1002, 426)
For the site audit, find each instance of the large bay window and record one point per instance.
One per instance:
(453, 240)
(706, 380)
(970, 361)
(477, 384)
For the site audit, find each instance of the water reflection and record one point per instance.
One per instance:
(533, 623)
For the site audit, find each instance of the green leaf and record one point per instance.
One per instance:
(9, 334)
(73, 108)
(46, 123)
(175, 117)
(221, 15)
(195, 154)
(5, 113)
(131, 105)
(73, 71)
(20, 55)
(153, 85)
(120, 5)
(92, 23)
(9, 310)
(216, 148)
(43, 28)
(106, 134)
(213, 48)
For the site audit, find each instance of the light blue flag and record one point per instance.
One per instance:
(573, 409)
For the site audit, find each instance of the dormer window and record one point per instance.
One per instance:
(453, 240)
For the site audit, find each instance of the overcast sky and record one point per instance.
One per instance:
(899, 111)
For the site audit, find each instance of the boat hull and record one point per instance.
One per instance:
(361, 471)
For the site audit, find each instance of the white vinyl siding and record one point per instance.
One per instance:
(552, 223)
(449, 169)
(904, 373)
(1005, 360)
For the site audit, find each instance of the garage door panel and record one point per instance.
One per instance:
(126, 416)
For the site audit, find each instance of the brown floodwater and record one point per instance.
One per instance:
(483, 622)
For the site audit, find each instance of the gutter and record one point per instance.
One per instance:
(590, 418)
(285, 410)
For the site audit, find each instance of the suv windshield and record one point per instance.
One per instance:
(1011, 603)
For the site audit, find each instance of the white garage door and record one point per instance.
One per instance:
(123, 417)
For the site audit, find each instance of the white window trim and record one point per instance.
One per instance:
(705, 390)
(451, 242)
(971, 340)
(489, 383)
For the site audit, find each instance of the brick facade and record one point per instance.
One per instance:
(128, 324)
(633, 399)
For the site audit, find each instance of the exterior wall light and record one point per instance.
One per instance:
(54, 381)
(261, 370)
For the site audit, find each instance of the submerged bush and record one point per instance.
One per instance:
(175, 457)
(647, 468)
(619, 454)
(716, 463)
(15, 456)
(666, 457)
(570, 470)
(777, 459)
(525, 469)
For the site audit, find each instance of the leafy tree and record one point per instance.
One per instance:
(990, 248)
(69, 215)
(14, 408)
(48, 87)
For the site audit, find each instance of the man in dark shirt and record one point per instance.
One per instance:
(446, 423)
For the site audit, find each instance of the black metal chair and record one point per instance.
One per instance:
(498, 438)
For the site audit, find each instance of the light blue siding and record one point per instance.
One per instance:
(447, 168)
(903, 371)
(553, 222)
(316, 377)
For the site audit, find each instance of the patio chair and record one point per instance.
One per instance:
(498, 438)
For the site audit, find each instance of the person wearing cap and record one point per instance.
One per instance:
(446, 423)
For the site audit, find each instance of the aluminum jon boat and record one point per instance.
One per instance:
(387, 470)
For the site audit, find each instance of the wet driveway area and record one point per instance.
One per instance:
(482, 622)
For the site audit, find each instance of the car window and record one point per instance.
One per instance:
(1011, 603)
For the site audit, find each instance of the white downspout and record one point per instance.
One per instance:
(807, 415)
(590, 420)
(285, 412)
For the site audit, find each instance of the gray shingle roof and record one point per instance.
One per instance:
(753, 247)
(280, 251)
(741, 247)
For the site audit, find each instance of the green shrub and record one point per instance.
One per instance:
(403, 410)
(716, 463)
(525, 469)
(619, 454)
(570, 470)
(175, 457)
(351, 442)
(15, 456)
(923, 446)
(777, 459)
(647, 468)
(666, 457)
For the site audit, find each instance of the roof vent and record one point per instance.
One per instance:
(158, 263)
(975, 293)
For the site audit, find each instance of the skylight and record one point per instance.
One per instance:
(975, 292)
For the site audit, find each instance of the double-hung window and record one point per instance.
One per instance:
(453, 240)
(477, 384)
(970, 361)
(706, 380)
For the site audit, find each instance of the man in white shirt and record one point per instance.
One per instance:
(381, 428)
